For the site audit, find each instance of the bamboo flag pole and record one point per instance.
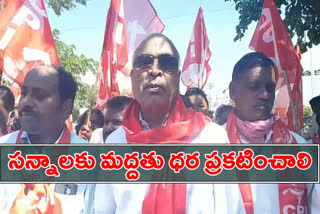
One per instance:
(293, 106)
(92, 98)
(2, 5)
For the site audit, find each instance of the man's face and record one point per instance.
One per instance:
(95, 122)
(199, 103)
(155, 75)
(39, 107)
(112, 121)
(253, 94)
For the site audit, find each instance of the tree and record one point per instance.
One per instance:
(78, 66)
(59, 5)
(301, 17)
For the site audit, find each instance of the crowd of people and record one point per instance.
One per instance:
(157, 114)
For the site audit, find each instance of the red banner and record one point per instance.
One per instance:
(126, 27)
(25, 38)
(196, 69)
(271, 38)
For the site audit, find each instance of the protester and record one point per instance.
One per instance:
(112, 118)
(14, 120)
(199, 101)
(253, 90)
(158, 115)
(96, 121)
(315, 199)
(313, 131)
(6, 106)
(222, 113)
(315, 137)
(186, 101)
(47, 97)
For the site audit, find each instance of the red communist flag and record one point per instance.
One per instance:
(114, 54)
(196, 69)
(25, 39)
(126, 27)
(271, 38)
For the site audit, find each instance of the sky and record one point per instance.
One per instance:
(84, 27)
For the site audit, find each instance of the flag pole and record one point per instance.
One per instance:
(2, 5)
(293, 105)
(312, 72)
(92, 97)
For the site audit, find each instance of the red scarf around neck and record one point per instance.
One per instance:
(183, 125)
(288, 193)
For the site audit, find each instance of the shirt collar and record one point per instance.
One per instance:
(143, 123)
(25, 138)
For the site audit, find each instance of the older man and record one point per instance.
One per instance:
(47, 97)
(253, 90)
(158, 116)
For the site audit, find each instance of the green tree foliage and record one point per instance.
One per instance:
(59, 6)
(78, 66)
(301, 17)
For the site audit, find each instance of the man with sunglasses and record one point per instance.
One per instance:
(159, 116)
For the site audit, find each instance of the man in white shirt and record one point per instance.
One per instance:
(47, 97)
(253, 91)
(159, 116)
(112, 118)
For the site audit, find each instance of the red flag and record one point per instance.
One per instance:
(139, 25)
(25, 38)
(126, 27)
(271, 38)
(114, 32)
(196, 69)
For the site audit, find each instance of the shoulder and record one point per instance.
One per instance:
(117, 137)
(9, 138)
(75, 139)
(212, 133)
(298, 138)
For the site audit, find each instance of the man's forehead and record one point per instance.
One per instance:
(156, 46)
(258, 74)
(41, 76)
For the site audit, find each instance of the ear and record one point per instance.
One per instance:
(67, 108)
(232, 89)
(179, 75)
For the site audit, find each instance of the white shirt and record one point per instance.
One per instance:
(128, 198)
(78, 203)
(97, 136)
(228, 199)
(315, 199)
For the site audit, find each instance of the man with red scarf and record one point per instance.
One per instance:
(47, 97)
(253, 91)
(159, 116)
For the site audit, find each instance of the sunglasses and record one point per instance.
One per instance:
(166, 62)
